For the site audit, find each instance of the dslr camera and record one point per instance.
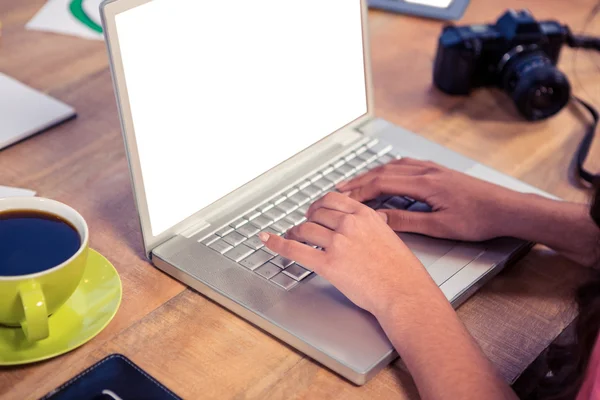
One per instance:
(517, 54)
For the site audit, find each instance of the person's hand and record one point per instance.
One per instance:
(464, 208)
(360, 255)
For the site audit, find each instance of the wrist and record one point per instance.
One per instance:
(522, 214)
(405, 297)
(563, 226)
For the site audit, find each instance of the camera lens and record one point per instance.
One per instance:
(537, 87)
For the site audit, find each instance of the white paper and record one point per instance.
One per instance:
(56, 16)
(6, 191)
(25, 111)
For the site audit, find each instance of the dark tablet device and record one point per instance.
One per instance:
(112, 378)
(437, 9)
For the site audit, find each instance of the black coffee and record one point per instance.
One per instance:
(33, 241)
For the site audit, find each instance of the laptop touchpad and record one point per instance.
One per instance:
(428, 250)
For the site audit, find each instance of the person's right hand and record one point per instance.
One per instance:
(360, 255)
(464, 208)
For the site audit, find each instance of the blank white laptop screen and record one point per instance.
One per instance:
(222, 91)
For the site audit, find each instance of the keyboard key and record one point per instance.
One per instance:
(420, 207)
(345, 170)
(287, 206)
(386, 159)
(380, 148)
(265, 207)
(306, 268)
(368, 157)
(301, 186)
(224, 231)
(234, 238)
(362, 171)
(315, 177)
(300, 198)
(209, 240)
(357, 163)
(221, 246)
(282, 226)
(327, 170)
(236, 224)
(323, 184)
(255, 260)
(349, 157)
(338, 163)
(272, 231)
(311, 191)
(296, 218)
(297, 272)
(274, 214)
(397, 203)
(360, 150)
(282, 262)
(261, 222)
(284, 281)
(334, 177)
(268, 270)
(239, 253)
(248, 230)
(378, 201)
(303, 209)
(374, 164)
(291, 192)
(251, 215)
(372, 143)
(254, 242)
(374, 204)
(279, 200)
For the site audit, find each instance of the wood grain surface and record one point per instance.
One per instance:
(199, 349)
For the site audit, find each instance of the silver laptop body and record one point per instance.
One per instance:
(215, 250)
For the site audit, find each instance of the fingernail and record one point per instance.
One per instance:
(341, 184)
(383, 216)
(263, 236)
(346, 193)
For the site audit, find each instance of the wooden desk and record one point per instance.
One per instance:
(199, 349)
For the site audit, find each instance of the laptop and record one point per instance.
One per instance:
(236, 116)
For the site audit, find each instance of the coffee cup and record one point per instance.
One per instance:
(43, 253)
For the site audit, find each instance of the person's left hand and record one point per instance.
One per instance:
(361, 255)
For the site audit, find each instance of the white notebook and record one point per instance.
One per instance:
(25, 111)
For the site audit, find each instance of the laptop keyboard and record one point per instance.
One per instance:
(239, 242)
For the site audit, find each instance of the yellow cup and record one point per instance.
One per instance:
(28, 300)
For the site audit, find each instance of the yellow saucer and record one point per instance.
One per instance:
(91, 307)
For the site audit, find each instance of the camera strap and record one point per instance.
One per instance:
(586, 143)
(585, 42)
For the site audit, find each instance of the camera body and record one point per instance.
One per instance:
(517, 54)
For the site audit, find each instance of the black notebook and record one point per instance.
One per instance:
(113, 378)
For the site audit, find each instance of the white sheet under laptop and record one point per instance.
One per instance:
(236, 116)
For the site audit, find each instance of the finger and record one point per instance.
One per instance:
(312, 233)
(388, 169)
(328, 218)
(408, 161)
(412, 186)
(413, 222)
(335, 201)
(294, 250)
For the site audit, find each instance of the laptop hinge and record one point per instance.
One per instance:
(196, 227)
(373, 126)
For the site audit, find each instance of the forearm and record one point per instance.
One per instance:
(441, 356)
(563, 226)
